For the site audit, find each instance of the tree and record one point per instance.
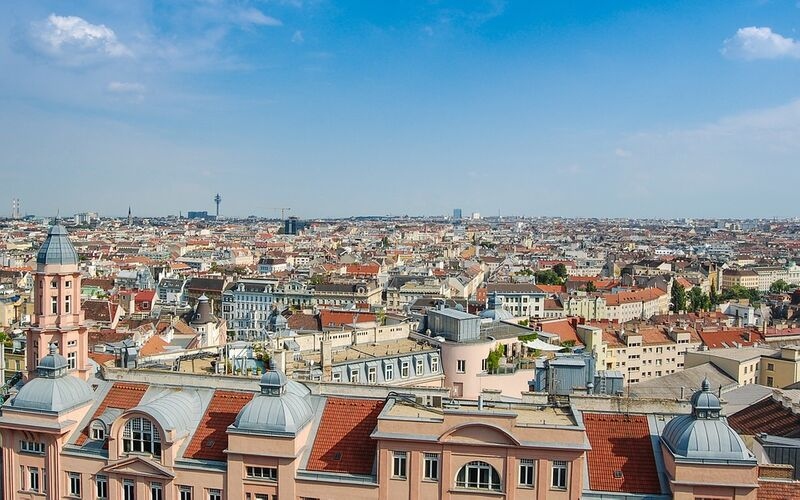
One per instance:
(698, 301)
(493, 359)
(713, 295)
(678, 297)
(561, 270)
(780, 286)
(739, 292)
(590, 287)
(547, 277)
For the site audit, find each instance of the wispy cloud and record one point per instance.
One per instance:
(760, 43)
(622, 153)
(297, 37)
(249, 16)
(73, 41)
(126, 88)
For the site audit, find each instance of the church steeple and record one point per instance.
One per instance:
(130, 217)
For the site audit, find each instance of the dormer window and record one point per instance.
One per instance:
(141, 436)
(97, 431)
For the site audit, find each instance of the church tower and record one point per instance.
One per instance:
(58, 318)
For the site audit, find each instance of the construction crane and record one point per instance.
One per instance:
(282, 209)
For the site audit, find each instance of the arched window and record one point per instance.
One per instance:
(478, 475)
(141, 436)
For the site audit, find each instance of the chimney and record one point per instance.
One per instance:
(279, 356)
(327, 357)
(480, 402)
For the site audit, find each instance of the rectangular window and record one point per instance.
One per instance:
(526, 472)
(184, 493)
(372, 375)
(770, 382)
(461, 365)
(269, 473)
(68, 284)
(128, 490)
(214, 494)
(399, 462)
(559, 475)
(431, 467)
(156, 491)
(54, 305)
(336, 377)
(434, 365)
(72, 358)
(101, 487)
(388, 372)
(33, 479)
(404, 369)
(31, 447)
(770, 367)
(419, 368)
(354, 376)
(74, 484)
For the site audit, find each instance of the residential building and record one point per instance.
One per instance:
(520, 299)
(745, 278)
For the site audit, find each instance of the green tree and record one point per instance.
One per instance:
(698, 301)
(561, 270)
(547, 277)
(678, 297)
(493, 359)
(780, 286)
(739, 292)
(590, 287)
(713, 295)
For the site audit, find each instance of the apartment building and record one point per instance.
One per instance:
(745, 278)
(753, 365)
(520, 299)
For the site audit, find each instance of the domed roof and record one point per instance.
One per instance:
(202, 313)
(57, 248)
(53, 390)
(704, 435)
(175, 411)
(280, 408)
(495, 311)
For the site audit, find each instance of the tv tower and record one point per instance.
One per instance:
(218, 200)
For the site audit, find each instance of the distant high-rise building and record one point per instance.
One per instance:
(197, 214)
(293, 225)
(15, 209)
(456, 214)
(218, 200)
(130, 217)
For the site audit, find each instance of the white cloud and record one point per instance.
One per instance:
(126, 88)
(73, 41)
(760, 43)
(252, 16)
(622, 153)
(298, 37)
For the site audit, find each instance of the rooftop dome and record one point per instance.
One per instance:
(57, 248)
(175, 411)
(279, 409)
(495, 310)
(202, 314)
(53, 390)
(704, 435)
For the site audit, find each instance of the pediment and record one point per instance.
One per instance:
(138, 466)
(479, 434)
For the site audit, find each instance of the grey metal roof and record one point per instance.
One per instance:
(57, 248)
(176, 410)
(282, 407)
(53, 394)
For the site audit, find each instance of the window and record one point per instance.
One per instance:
(388, 372)
(770, 367)
(478, 475)
(101, 487)
(97, 431)
(399, 462)
(156, 491)
(559, 474)
(72, 360)
(74, 480)
(372, 375)
(214, 494)
(770, 382)
(526, 472)
(31, 447)
(404, 369)
(68, 284)
(336, 377)
(67, 304)
(33, 479)
(461, 366)
(54, 305)
(54, 284)
(141, 436)
(434, 365)
(431, 467)
(184, 493)
(419, 367)
(128, 490)
(269, 473)
(72, 343)
(354, 376)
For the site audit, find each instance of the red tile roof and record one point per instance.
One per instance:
(621, 443)
(122, 395)
(210, 439)
(154, 345)
(343, 442)
(778, 490)
(336, 319)
(768, 416)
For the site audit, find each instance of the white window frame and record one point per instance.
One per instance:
(355, 377)
(388, 372)
(372, 374)
(184, 493)
(33, 479)
(101, 487)
(265, 473)
(479, 475)
(527, 472)
(128, 489)
(558, 476)
(399, 464)
(404, 369)
(156, 491)
(461, 366)
(72, 360)
(74, 484)
(419, 368)
(430, 467)
(36, 447)
(434, 364)
(214, 494)
(67, 304)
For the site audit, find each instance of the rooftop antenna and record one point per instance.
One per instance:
(218, 200)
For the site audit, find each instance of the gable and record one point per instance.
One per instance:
(479, 434)
(139, 467)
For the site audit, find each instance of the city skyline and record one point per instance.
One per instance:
(608, 109)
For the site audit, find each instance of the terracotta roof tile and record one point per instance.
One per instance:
(343, 442)
(154, 345)
(122, 395)
(211, 439)
(620, 443)
(767, 416)
(778, 490)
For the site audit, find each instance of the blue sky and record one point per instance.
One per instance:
(592, 108)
